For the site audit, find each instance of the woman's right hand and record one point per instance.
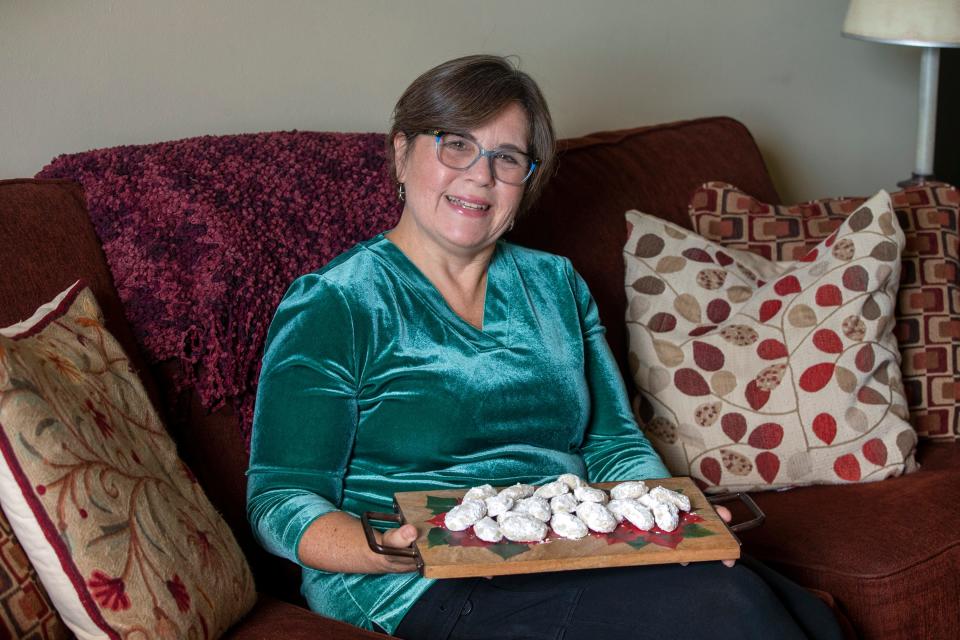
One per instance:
(400, 538)
(336, 542)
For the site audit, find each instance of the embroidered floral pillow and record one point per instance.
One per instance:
(117, 527)
(757, 375)
(927, 307)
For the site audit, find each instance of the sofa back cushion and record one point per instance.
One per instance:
(653, 169)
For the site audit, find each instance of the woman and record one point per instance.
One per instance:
(436, 356)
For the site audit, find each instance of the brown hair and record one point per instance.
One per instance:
(467, 92)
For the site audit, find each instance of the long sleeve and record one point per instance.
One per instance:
(305, 420)
(614, 447)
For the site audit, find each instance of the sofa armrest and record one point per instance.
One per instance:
(271, 618)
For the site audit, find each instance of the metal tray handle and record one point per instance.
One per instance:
(758, 515)
(376, 547)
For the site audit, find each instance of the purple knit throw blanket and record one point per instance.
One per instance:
(204, 236)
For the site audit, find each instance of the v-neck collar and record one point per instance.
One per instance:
(497, 308)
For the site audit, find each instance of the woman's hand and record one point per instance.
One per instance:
(726, 516)
(336, 542)
(400, 538)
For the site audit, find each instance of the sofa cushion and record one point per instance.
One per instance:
(889, 552)
(55, 245)
(655, 169)
(928, 307)
(116, 525)
(762, 375)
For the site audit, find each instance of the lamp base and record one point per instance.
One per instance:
(916, 180)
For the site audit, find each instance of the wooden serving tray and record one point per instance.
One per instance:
(442, 553)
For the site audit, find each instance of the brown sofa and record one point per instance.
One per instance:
(886, 554)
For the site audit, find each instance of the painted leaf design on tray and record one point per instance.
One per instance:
(723, 259)
(437, 505)
(701, 330)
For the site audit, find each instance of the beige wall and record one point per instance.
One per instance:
(832, 115)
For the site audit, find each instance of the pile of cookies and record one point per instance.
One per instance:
(568, 505)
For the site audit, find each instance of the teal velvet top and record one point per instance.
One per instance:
(371, 385)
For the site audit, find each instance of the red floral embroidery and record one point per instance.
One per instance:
(100, 420)
(109, 592)
(179, 593)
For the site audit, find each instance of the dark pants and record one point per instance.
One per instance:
(701, 600)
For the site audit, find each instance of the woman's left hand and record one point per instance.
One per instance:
(726, 516)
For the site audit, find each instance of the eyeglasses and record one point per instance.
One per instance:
(507, 165)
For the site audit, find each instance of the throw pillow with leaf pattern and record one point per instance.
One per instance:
(755, 374)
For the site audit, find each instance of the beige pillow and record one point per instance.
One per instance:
(119, 531)
(756, 375)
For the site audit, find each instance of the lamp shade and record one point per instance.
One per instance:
(921, 23)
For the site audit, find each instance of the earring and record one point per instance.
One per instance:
(512, 222)
(401, 192)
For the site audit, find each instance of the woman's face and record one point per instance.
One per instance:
(461, 211)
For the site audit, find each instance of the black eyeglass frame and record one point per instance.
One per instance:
(488, 153)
